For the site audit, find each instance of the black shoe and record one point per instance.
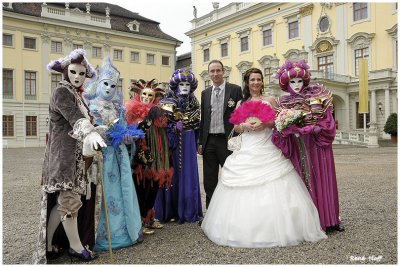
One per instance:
(85, 255)
(200, 221)
(339, 227)
(55, 253)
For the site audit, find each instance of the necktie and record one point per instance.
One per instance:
(217, 91)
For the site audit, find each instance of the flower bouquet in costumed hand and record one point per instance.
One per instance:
(255, 112)
(287, 118)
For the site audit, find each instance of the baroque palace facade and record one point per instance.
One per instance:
(331, 37)
(36, 33)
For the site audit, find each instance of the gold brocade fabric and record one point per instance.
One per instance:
(313, 101)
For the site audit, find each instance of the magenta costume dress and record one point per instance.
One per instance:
(311, 151)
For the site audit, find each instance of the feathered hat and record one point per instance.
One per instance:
(76, 56)
(138, 86)
(293, 69)
(183, 75)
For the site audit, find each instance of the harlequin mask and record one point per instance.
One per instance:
(76, 74)
(147, 96)
(147, 91)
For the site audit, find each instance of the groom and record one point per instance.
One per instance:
(217, 103)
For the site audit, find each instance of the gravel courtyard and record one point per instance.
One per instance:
(367, 179)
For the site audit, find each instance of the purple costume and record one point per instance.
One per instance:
(310, 147)
(182, 201)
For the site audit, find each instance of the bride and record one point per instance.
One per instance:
(260, 200)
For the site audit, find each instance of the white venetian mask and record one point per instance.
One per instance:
(76, 74)
(296, 84)
(107, 89)
(147, 96)
(184, 88)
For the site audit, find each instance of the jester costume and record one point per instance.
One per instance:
(106, 105)
(182, 201)
(151, 163)
(309, 146)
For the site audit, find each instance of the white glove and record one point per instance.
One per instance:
(91, 142)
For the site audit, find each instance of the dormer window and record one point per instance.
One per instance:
(133, 26)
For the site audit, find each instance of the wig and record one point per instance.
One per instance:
(293, 69)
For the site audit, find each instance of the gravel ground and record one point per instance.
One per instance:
(367, 179)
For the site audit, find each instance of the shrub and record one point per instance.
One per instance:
(391, 124)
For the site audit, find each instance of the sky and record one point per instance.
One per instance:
(174, 15)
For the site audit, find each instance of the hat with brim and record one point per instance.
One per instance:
(77, 56)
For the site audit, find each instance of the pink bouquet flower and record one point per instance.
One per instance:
(253, 111)
(288, 117)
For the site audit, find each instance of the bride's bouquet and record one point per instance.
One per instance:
(253, 111)
(288, 117)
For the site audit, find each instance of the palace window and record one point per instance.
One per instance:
(325, 64)
(55, 79)
(29, 43)
(119, 85)
(293, 29)
(8, 84)
(30, 85)
(224, 50)
(206, 55)
(117, 54)
(8, 125)
(7, 39)
(96, 52)
(165, 60)
(150, 59)
(360, 117)
(31, 125)
(56, 47)
(359, 53)
(267, 37)
(244, 44)
(207, 83)
(135, 56)
(77, 46)
(360, 11)
(267, 75)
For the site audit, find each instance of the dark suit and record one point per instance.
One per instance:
(215, 149)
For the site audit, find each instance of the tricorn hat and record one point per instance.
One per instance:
(76, 56)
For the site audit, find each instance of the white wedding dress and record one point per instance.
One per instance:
(260, 200)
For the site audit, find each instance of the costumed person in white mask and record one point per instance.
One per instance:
(151, 164)
(72, 140)
(308, 144)
(182, 201)
(122, 215)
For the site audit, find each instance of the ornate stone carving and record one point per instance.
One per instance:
(306, 10)
(324, 46)
(244, 65)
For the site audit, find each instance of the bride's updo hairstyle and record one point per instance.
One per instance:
(293, 69)
(246, 77)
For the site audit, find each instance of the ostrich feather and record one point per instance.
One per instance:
(256, 109)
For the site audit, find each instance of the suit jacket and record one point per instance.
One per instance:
(233, 94)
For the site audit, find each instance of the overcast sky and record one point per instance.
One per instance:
(174, 15)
